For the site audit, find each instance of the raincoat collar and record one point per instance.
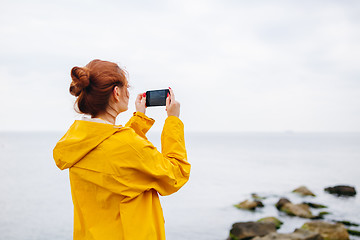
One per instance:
(98, 120)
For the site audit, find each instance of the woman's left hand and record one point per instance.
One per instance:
(140, 103)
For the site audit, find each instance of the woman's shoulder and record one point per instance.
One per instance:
(127, 135)
(126, 145)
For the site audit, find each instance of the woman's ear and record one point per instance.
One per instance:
(116, 93)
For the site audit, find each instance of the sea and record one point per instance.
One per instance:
(35, 199)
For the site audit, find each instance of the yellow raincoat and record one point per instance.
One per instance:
(116, 175)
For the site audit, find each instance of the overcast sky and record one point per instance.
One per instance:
(234, 65)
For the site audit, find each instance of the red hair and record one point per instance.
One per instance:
(94, 84)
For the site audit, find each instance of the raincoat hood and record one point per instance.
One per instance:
(81, 138)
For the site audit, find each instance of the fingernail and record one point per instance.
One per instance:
(169, 87)
(144, 94)
(168, 95)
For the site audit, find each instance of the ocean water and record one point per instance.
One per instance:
(35, 200)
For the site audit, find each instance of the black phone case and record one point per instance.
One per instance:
(156, 97)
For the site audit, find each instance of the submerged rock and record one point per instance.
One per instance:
(299, 210)
(353, 232)
(257, 197)
(314, 205)
(249, 205)
(347, 223)
(246, 230)
(282, 202)
(329, 231)
(260, 204)
(321, 215)
(274, 220)
(298, 234)
(304, 191)
(341, 190)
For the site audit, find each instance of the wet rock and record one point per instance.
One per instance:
(298, 234)
(353, 232)
(304, 191)
(299, 210)
(341, 190)
(274, 220)
(329, 231)
(321, 215)
(314, 205)
(260, 204)
(347, 223)
(257, 197)
(281, 203)
(246, 230)
(249, 205)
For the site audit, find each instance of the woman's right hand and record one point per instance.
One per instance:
(140, 103)
(172, 106)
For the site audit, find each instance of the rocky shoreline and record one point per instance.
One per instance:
(317, 227)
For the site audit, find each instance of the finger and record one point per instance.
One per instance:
(172, 95)
(138, 98)
(168, 101)
(143, 102)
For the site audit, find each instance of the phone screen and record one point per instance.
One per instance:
(156, 97)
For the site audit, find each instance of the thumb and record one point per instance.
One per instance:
(167, 101)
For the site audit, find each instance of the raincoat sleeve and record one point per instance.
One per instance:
(140, 123)
(148, 168)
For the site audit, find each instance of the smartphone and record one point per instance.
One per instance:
(156, 97)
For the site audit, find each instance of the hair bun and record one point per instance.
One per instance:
(80, 80)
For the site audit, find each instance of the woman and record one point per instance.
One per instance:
(115, 172)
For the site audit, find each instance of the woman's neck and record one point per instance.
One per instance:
(109, 115)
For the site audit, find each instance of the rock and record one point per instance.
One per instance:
(281, 203)
(250, 205)
(257, 197)
(304, 191)
(314, 205)
(353, 232)
(300, 210)
(329, 231)
(341, 190)
(246, 230)
(298, 234)
(347, 223)
(260, 204)
(274, 220)
(321, 215)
